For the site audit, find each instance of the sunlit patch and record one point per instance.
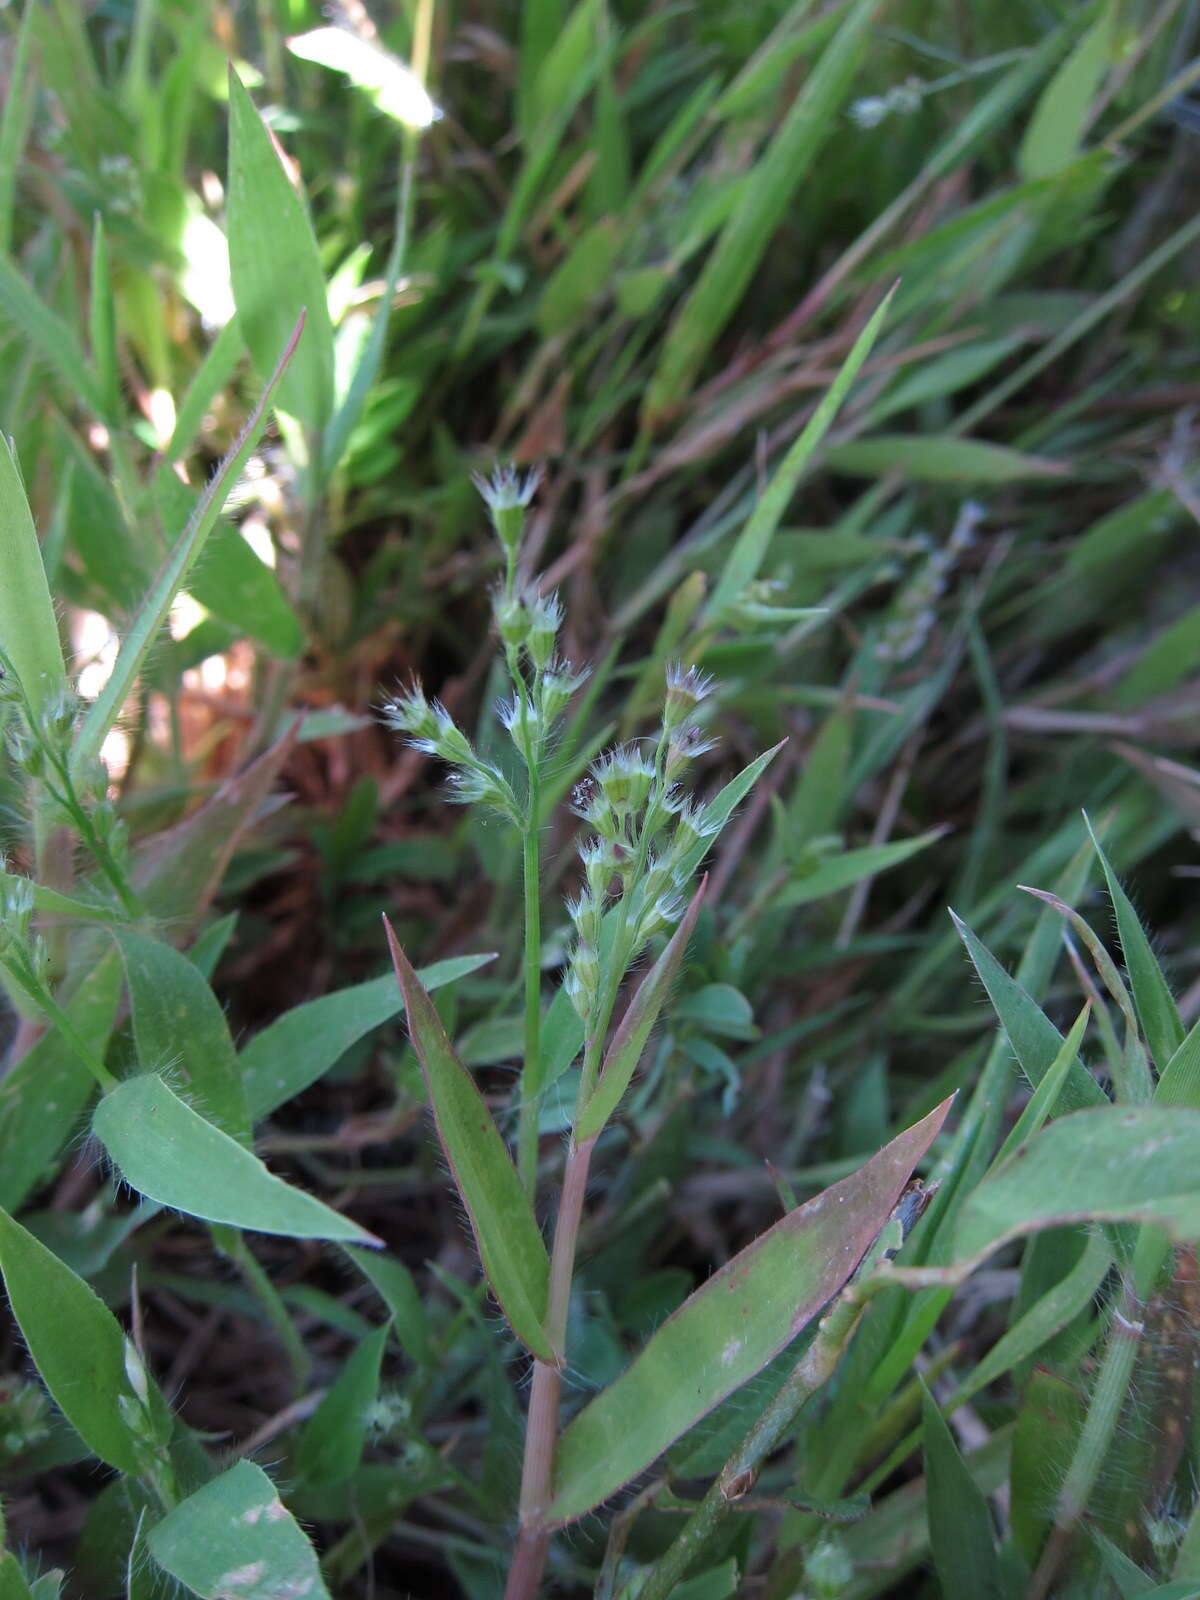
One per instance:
(95, 644)
(161, 409)
(258, 536)
(205, 276)
(394, 86)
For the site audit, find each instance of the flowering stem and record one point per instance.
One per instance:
(531, 1075)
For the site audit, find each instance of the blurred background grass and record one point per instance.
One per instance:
(636, 244)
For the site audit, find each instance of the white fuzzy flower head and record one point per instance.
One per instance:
(506, 494)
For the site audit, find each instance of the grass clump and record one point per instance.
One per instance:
(845, 358)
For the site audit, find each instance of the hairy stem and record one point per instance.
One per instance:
(531, 1075)
(541, 1430)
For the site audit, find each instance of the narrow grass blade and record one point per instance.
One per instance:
(1034, 1038)
(28, 630)
(210, 378)
(274, 266)
(1156, 1009)
(1179, 1084)
(731, 1327)
(721, 807)
(234, 1536)
(933, 458)
(102, 327)
(169, 1153)
(106, 708)
(299, 1047)
(960, 1525)
(766, 192)
(1060, 118)
(510, 1243)
(629, 1041)
(49, 336)
(178, 1025)
(841, 871)
(1042, 1101)
(331, 1444)
(752, 543)
(15, 120)
(1115, 1164)
(393, 1283)
(77, 1346)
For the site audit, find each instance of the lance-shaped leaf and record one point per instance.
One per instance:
(625, 1051)
(331, 1445)
(732, 1326)
(1113, 1164)
(723, 804)
(1034, 1038)
(235, 1537)
(510, 1243)
(295, 1049)
(169, 1153)
(79, 1349)
(28, 631)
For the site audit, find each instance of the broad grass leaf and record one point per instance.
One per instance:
(751, 545)
(763, 198)
(174, 572)
(1060, 118)
(841, 871)
(274, 266)
(43, 1098)
(297, 1048)
(77, 1346)
(331, 1443)
(234, 1536)
(231, 582)
(178, 1025)
(960, 1524)
(28, 630)
(1156, 1009)
(510, 1243)
(1035, 1040)
(732, 1327)
(938, 458)
(625, 1051)
(1111, 1164)
(169, 1153)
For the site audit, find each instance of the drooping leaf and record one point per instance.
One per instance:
(77, 1345)
(293, 1051)
(274, 265)
(178, 1025)
(1111, 1164)
(731, 1327)
(510, 1243)
(233, 1539)
(960, 1525)
(629, 1041)
(28, 631)
(331, 1444)
(169, 1153)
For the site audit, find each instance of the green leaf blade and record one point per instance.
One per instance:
(170, 1154)
(234, 1536)
(274, 265)
(731, 1327)
(960, 1525)
(510, 1243)
(76, 1343)
(28, 630)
